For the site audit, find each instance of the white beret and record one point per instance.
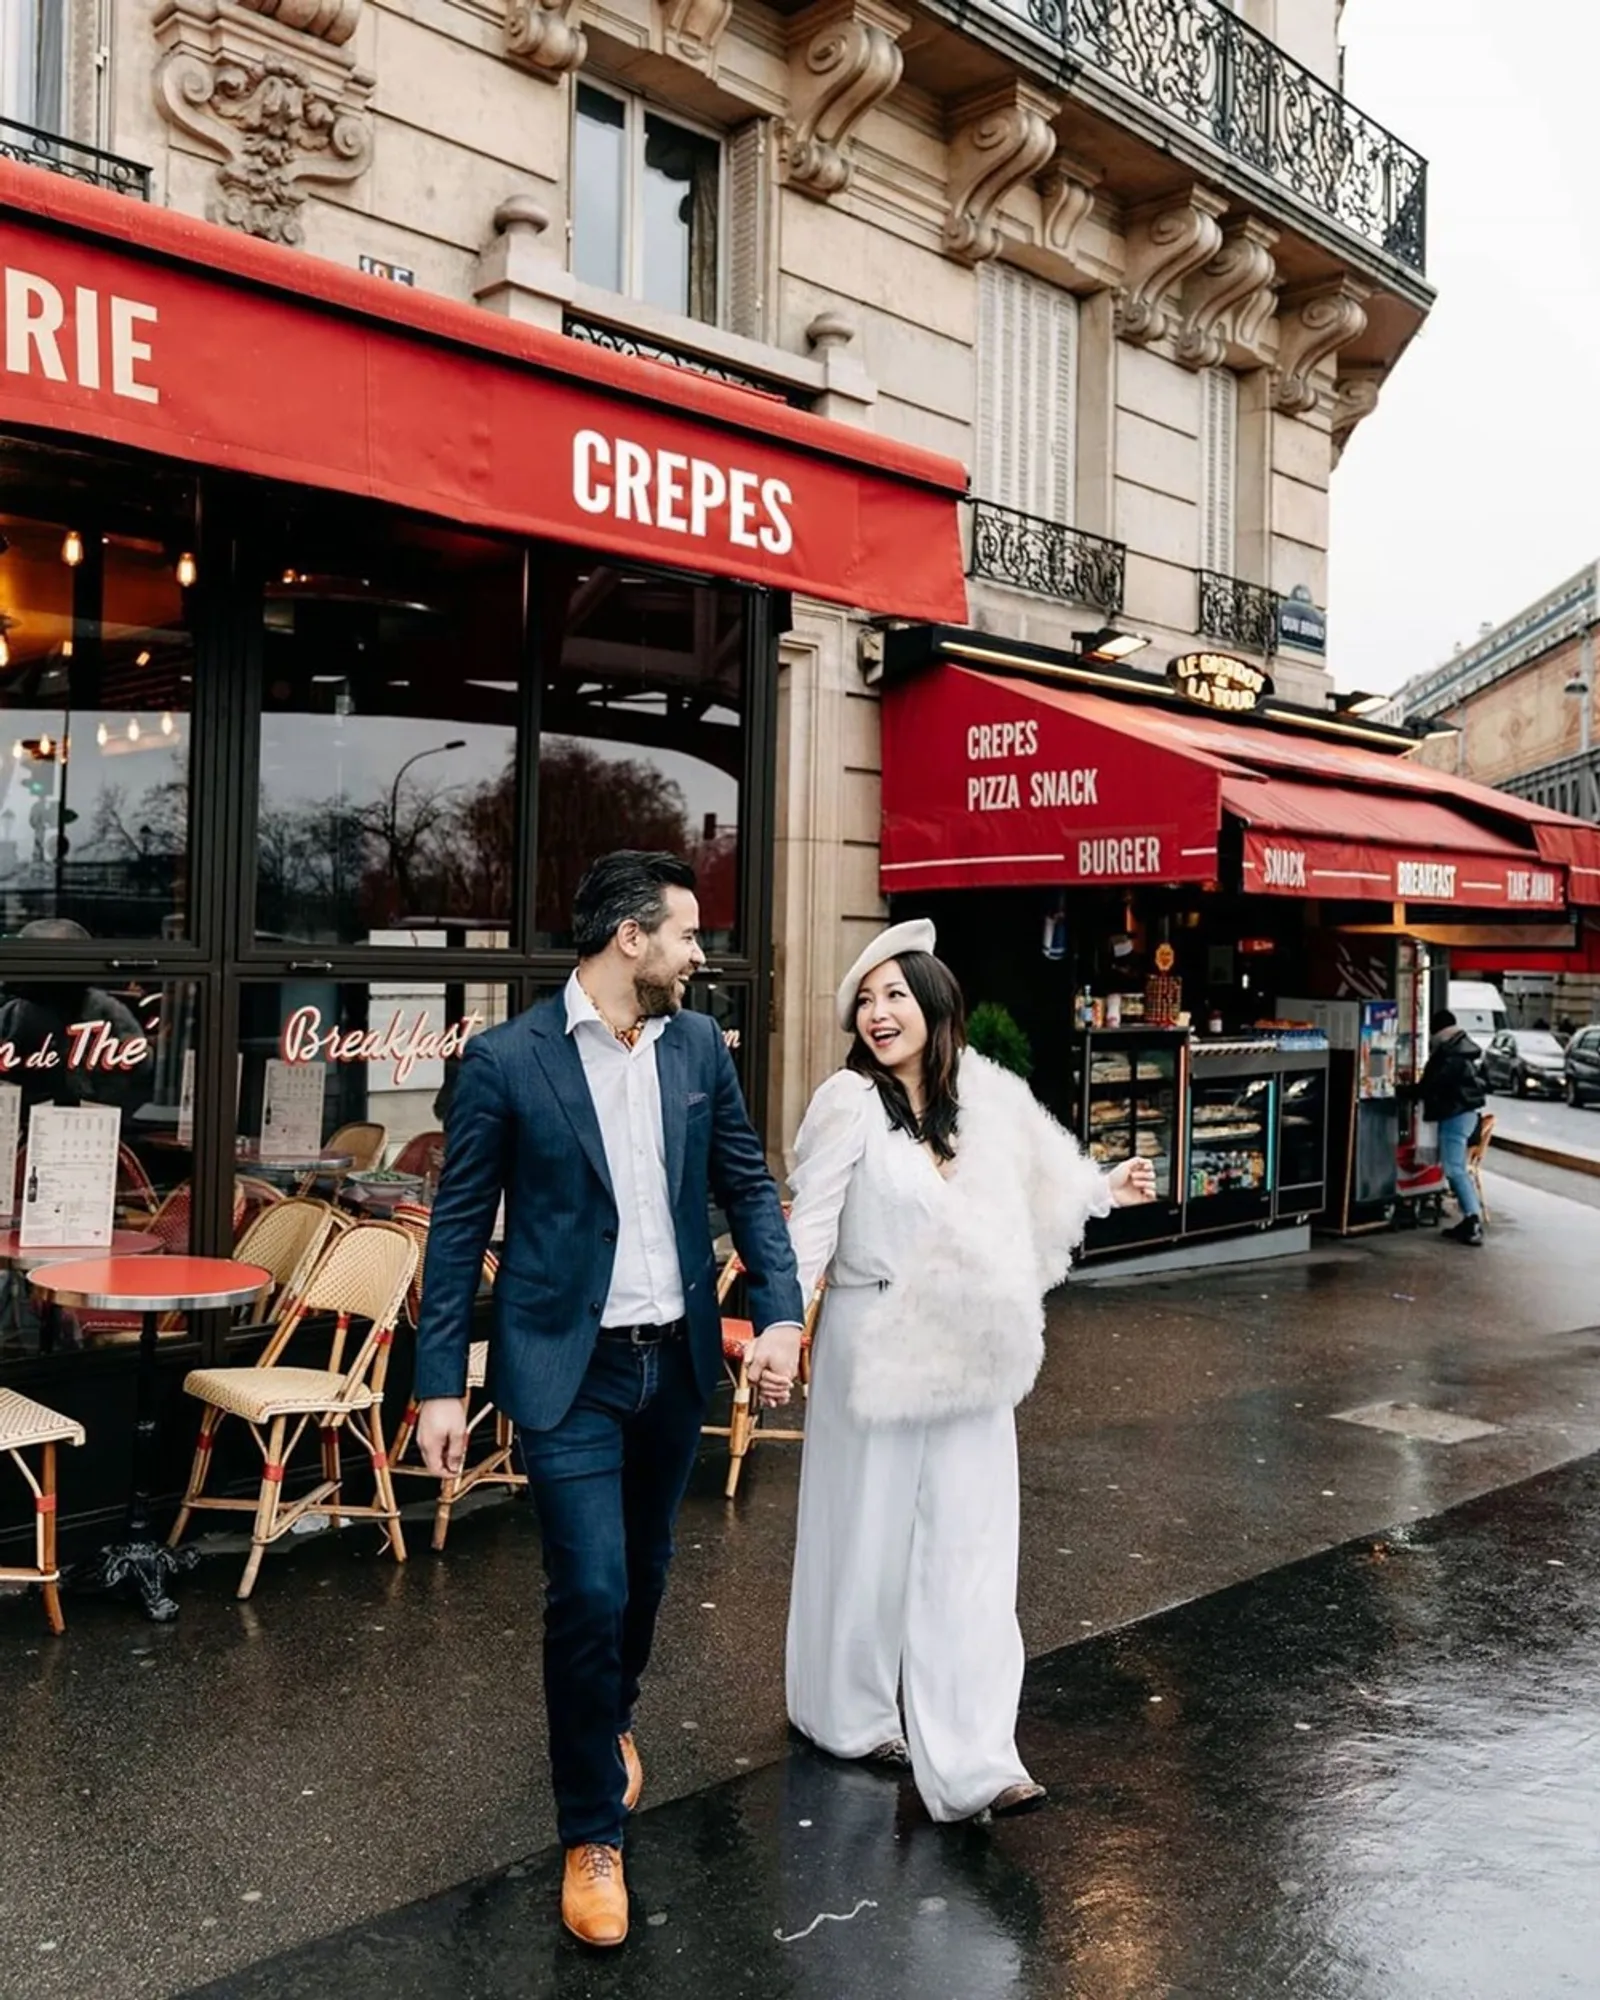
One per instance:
(917, 935)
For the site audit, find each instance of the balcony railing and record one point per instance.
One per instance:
(1236, 613)
(1046, 557)
(618, 340)
(1199, 63)
(79, 163)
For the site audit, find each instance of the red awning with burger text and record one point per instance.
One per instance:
(992, 781)
(144, 328)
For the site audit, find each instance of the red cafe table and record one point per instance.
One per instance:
(150, 1286)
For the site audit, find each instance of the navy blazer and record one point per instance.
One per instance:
(522, 1123)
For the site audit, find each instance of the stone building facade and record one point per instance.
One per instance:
(1137, 263)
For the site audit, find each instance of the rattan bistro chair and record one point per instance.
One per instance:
(498, 1465)
(26, 1426)
(362, 1145)
(744, 1423)
(1477, 1152)
(286, 1239)
(363, 1275)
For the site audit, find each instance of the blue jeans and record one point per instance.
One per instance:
(1453, 1136)
(607, 1482)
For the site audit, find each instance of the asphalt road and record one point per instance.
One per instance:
(1547, 1122)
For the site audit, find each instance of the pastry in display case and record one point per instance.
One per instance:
(1126, 1087)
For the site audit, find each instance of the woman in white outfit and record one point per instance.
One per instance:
(942, 1202)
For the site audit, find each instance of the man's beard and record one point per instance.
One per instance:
(655, 997)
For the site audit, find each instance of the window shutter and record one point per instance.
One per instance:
(1027, 393)
(748, 224)
(1219, 468)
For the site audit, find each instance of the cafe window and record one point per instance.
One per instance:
(123, 1053)
(647, 192)
(33, 62)
(96, 699)
(642, 740)
(391, 675)
(345, 1087)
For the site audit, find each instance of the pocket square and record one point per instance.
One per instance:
(695, 1097)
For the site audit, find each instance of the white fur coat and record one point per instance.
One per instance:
(936, 1284)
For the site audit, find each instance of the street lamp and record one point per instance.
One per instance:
(393, 829)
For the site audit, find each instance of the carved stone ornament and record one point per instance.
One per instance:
(543, 37)
(1355, 397)
(1228, 302)
(329, 20)
(1316, 326)
(1165, 245)
(1004, 138)
(692, 30)
(844, 59)
(1066, 201)
(285, 109)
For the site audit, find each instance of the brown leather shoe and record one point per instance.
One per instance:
(594, 1897)
(634, 1769)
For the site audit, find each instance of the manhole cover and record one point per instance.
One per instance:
(1411, 1420)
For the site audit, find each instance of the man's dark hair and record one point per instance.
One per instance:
(621, 887)
(1440, 1021)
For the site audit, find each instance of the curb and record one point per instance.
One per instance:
(1551, 1156)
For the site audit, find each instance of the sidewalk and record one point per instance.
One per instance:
(185, 1801)
(1364, 1777)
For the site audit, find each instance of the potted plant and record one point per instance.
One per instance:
(993, 1031)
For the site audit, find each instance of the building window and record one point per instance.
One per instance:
(646, 197)
(642, 735)
(32, 62)
(96, 696)
(1027, 393)
(1219, 470)
(391, 654)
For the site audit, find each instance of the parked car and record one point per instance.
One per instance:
(1527, 1061)
(1582, 1067)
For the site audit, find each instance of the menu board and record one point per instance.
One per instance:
(69, 1188)
(291, 1110)
(10, 1136)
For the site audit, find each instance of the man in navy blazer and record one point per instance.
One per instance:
(605, 1118)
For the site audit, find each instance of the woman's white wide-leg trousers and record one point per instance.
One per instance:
(905, 1586)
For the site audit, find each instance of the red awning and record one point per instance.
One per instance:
(149, 329)
(1326, 840)
(995, 783)
(991, 781)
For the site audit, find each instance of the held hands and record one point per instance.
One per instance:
(771, 1364)
(442, 1434)
(1133, 1182)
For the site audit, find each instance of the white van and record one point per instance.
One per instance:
(1479, 1007)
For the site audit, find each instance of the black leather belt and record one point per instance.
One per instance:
(645, 1336)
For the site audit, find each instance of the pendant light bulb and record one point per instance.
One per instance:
(133, 730)
(102, 735)
(187, 570)
(5, 650)
(167, 724)
(45, 746)
(72, 549)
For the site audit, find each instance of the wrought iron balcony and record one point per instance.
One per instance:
(1199, 63)
(79, 163)
(1236, 613)
(1045, 557)
(619, 340)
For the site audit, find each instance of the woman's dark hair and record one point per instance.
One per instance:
(621, 888)
(933, 986)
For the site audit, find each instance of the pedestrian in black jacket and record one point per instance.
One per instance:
(1453, 1094)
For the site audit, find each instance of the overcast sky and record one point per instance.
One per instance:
(1472, 488)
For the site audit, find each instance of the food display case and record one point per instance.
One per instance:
(1230, 1162)
(1127, 1096)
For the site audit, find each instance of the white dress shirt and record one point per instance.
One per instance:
(646, 1282)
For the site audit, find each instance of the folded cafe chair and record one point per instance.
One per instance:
(361, 1278)
(495, 1466)
(745, 1422)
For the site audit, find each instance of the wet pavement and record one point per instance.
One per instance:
(1367, 1776)
(1546, 1122)
(182, 1802)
